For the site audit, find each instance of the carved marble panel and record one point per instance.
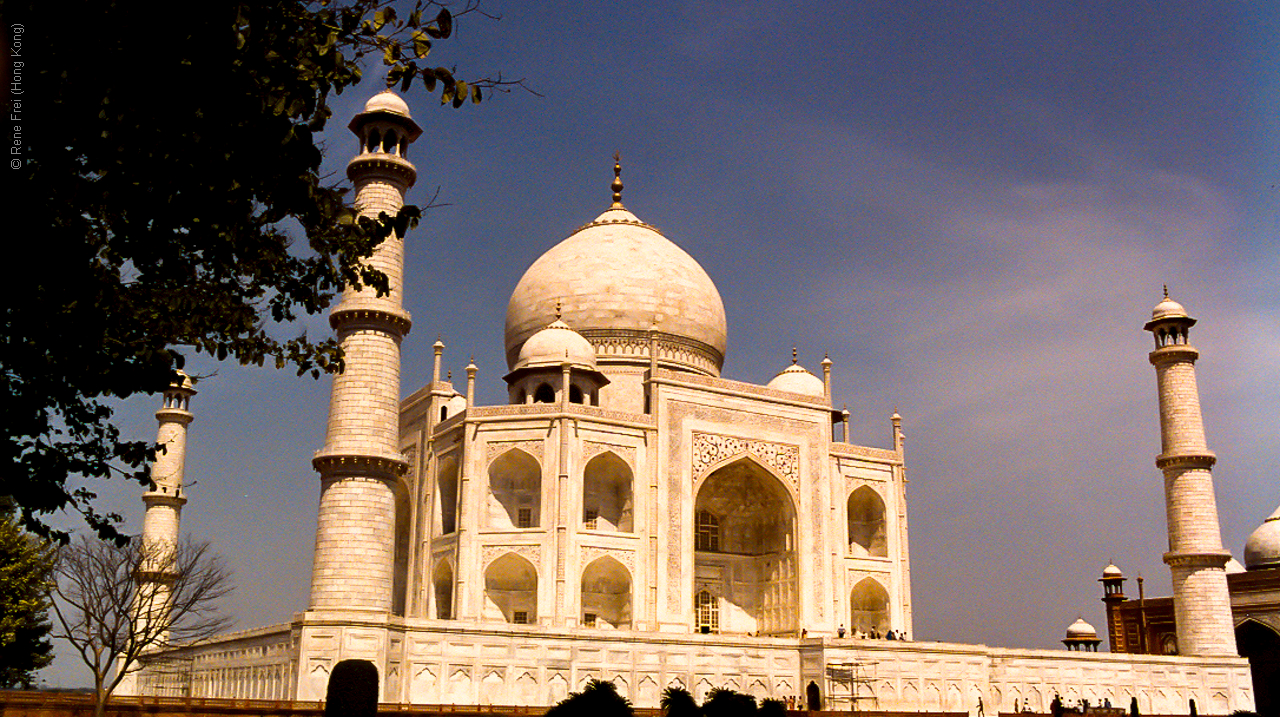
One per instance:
(496, 448)
(591, 449)
(626, 557)
(710, 449)
(490, 553)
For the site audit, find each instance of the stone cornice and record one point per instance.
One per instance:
(1199, 459)
(343, 463)
(156, 498)
(1202, 559)
(368, 166)
(359, 317)
(1173, 354)
(174, 415)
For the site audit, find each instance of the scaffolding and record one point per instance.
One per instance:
(849, 685)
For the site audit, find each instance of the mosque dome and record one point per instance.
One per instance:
(554, 345)
(617, 280)
(387, 101)
(1262, 550)
(797, 379)
(1081, 629)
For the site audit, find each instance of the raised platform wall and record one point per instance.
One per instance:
(472, 665)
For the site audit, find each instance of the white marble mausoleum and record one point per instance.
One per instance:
(628, 515)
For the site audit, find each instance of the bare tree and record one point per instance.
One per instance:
(116, 604)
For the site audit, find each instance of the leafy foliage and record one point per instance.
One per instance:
(25, 566)
(677, 702)
(722, 702)
(597, 699)
(112, 619)
(165, 180)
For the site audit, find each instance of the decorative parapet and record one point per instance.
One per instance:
(880, 455)
(724, 385)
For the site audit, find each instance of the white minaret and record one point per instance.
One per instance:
(360, 464)
(1201, 604)
(165, 499)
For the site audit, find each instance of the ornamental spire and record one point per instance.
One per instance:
(617, 180)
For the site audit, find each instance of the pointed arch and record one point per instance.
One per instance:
(753, 515)
(867, 525)
(606, 594)
(869, 607)
(514, 498)
(607, 494)
(511, 590)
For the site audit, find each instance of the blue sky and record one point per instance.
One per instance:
(971, 206)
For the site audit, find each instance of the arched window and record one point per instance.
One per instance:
(707, 537)
(375, 140)
(706, 612)
(444, 413)
(575, 394)
(544, 394)
(389, 142)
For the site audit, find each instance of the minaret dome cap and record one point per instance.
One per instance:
(387, 105)
(1111, 571)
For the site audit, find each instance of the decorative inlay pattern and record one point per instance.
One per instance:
(490, 553)
(710, 449)
(497, 448)
(627, 557)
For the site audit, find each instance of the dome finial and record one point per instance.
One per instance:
(795, 357)
(1166, 290)
(617, 179)
(558, 309)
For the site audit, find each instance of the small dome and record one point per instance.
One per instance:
(387, 101)
(796, 379)
(1233, 566)
(1262, 550)
(1081, 629)
(1168, 308)
(1111, 571)
(554, 345)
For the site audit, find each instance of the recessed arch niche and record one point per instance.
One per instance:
(442, 590)
(511, 590)
(606, 494)
(514, 499)
(867, 525)
(869, 607)
(753, 566)
(606, 594)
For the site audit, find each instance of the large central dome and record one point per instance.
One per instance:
(614, 281)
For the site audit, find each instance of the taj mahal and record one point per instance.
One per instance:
(631, 515)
